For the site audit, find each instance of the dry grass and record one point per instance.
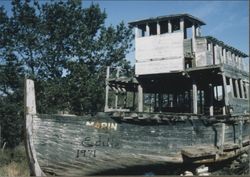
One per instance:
(14, 162)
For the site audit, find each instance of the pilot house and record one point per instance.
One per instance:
(177, 70)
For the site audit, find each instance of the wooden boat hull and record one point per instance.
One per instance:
(72, 145)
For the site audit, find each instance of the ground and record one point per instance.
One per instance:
(13, 162)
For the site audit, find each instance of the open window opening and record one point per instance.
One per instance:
(163, 27)
(234, 89)
(153, 28)
(176, 25)
(241, 94)
(141, 30)
(218, 93)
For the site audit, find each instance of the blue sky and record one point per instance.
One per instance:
(225, 20)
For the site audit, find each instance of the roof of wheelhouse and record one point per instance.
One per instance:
(187, 17)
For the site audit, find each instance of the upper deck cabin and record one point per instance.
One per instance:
(180, 71)
(174, 43)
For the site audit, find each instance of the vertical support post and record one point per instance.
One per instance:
(201, 106)
(147, 30)
(247, 90)
(240, 63)
(216, 56)
(158, 27)
(155, 101)
(233, 59)
(240, 133)
(198, 31)
(182, 27)
(231, 87)
(242, 89)
(116, 93)
(195, 108)
(30, 111)
(106, 108)
(237, 88)
(223, 127)
(30, 99)
(136, 32)
(133, 100)
(193, 38)
(224, 56)
(211, 107)
(169, 27)
(140, 98)
(209, 46)
(0, 136)
(160, 102)
(225, 93)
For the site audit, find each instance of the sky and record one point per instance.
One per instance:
(227, 21)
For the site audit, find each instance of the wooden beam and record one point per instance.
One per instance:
(242, 89)
(240, 133)
(237, 88)
(30, 111)
(116, 93)
(137, 32)
(223, 126)
(182, 24)
(211, 98)
(169, 27)
(160, 102)
(201, 106)
(140, 98)
(231, 86)
(195, 109)
(225, 93)
(147, 30)
(107, 89)
(158, 27)
(133, 100)
(193, 38)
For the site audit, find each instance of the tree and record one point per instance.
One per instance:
(65, 48)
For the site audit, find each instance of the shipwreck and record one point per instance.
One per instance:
(188, 103)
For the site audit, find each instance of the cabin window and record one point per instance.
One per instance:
(218, 93)
(163, 27)
(152, 29)
(222, 54)
(234, 89)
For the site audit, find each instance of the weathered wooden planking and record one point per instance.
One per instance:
(159, 54)
(89, 145)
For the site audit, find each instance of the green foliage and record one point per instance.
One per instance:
(65, 48)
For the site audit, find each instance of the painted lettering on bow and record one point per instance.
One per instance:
(102, 125)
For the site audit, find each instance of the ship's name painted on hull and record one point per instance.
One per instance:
(102, 125)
